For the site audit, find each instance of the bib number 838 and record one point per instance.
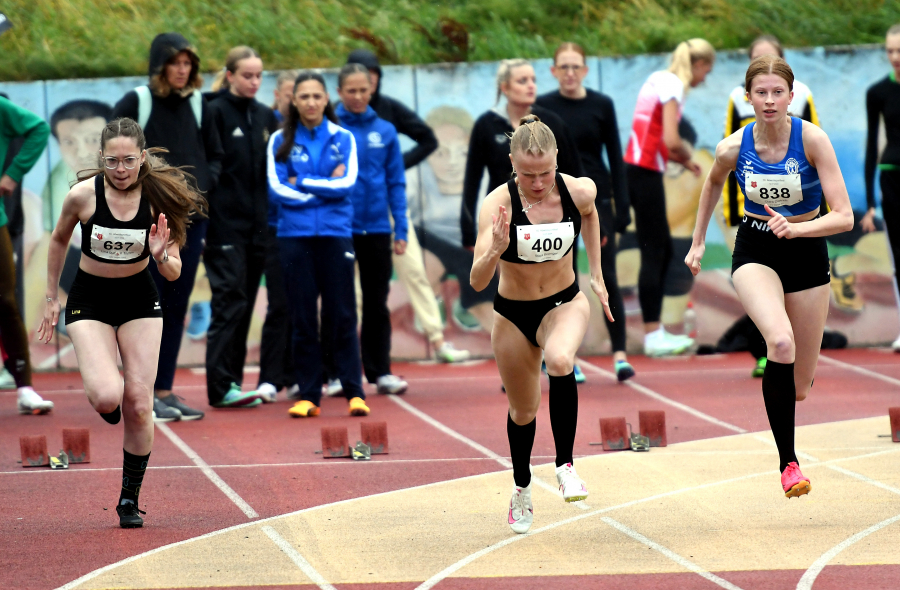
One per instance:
(547, 244)
(108, 245)
(775, 193)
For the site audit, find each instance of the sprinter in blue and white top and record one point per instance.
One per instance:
(780, 263)
(312, 170)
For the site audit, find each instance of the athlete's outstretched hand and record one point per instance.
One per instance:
(49, 321)
(780, 226)
(500, 230)
(599, 288)
(693, 258)
(159, 237)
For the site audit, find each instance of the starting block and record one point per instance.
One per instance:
(34, 451)
(375, 435)
(335, 442)
(895, 424)
(77, 444)
(614, 434)
(652, 424)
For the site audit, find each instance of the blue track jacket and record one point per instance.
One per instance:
(382, 180)
(317, 205)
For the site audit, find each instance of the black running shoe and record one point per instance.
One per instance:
(177, 402)
(129, 517)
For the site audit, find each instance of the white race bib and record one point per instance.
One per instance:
(774, 190)
(117, 244)
(548, 241)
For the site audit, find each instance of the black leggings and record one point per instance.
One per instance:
(12, 329)
(890, 208)
(648, 199)
(610, 279)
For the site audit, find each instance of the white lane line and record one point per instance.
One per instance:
(868, 480)
(503, 461)
(208, 471)
(297, 558)
(809, 576)
(689, 565)
(661, 398)
(52, 361)
(860, 370)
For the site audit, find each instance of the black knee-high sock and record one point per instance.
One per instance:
(521, 440)
(780, 395)
(133, 468)
(563, 415)
(114, 416)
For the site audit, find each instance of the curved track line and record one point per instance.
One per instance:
(809, 577)
(689, 565)
(297, 558)
(661, 398)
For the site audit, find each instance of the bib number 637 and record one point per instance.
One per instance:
(108, 245)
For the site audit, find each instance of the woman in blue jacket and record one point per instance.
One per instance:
(381, 190)
(312, 169)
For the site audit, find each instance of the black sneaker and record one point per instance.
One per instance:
(176, 402)
(129, 517)
(162, 412)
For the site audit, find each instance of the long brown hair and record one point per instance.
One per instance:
(234, 56)
(769, 64)
(289, 131)
(161, 87)
(569, 46)
(170, 189)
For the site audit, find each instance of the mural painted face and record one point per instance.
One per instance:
(79, 142)
(178, 70)
(246, 78)
(449, 161)
(892, 46)
(311, 100)
(122, 149)
(770, 96)
(356, 92)
(570, 70)
(522, 86)
(536, 174)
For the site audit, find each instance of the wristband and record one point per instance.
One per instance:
(165, 258)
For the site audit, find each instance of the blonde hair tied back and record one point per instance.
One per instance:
(504, 72)
(686, 54)
(532, 137)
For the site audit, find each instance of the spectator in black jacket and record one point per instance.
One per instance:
(489, 143)
(235, 251)
(175, 116)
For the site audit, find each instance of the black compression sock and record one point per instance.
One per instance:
(114, 416)
(780, 396)
(521, 441)
(133, 468)
(563, 415)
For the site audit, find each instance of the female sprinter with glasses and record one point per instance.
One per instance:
(135, 208)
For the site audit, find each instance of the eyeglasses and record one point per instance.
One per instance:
(128, 161)
(570, 68)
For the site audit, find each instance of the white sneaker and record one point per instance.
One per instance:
(267, 393)
(521, 512)
(896, 344)
(6, 380)
(448, 354)
(334, 388)
(661, 343)
(391, 384)
(31, 403)
(293, 392)
(571, 486)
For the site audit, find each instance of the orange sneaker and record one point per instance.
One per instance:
(304, 409)
(358, 407)
(795, 484)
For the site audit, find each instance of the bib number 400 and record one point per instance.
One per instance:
(547, 244)
(107, 245)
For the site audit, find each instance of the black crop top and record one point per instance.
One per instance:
(111, 240)
(529, 243)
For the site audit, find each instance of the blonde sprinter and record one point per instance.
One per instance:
(528, 226)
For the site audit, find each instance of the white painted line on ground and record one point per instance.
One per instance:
(52, 361)
(809, 576)
(208, 471)
(661, 398)
(503, 461)
(836, 363)
(297, 558)
(868, 480)
(685, 563)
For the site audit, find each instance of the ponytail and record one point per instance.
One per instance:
(289, 130)
(686, 54)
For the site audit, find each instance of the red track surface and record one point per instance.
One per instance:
(57, 526)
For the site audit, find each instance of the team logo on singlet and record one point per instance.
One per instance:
(792, 166)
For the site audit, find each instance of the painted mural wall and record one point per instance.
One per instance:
(450, 98)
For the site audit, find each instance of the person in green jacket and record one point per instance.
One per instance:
(17, 122)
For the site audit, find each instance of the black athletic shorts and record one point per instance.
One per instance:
(113, 301)
(527, 315)
(800, 263)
